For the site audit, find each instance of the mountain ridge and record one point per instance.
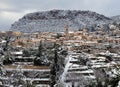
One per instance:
(56, 20)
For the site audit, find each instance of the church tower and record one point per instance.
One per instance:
(67, 32)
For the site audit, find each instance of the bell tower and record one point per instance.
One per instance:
(67, 32)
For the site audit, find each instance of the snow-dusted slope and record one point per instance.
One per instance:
(56, 20)
(116, 18)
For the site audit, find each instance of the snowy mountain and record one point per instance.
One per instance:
(56, 20)
(116, 18)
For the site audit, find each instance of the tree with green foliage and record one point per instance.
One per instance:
(26, 53)
(7, 42)
(28, 84)
(41, 58)
(54, 67)
(8, 59)
(37, 60)
(53, 71)
(53, 75)
(40, 49)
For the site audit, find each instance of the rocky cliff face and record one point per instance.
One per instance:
(56, 20)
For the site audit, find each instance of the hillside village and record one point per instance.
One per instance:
(60, 59)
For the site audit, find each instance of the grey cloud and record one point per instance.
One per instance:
(101, 6)
(4, 24)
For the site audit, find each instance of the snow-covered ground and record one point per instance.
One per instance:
(70, 72)
(68, 64)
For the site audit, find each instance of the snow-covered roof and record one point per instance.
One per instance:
(89, 71)
(20, 52)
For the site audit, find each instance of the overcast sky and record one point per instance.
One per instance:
(12, 10)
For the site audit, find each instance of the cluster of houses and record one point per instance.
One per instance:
(68, 38)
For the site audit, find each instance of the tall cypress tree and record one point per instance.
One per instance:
(53, 75)
(54, 67)
(7, 42)
(56, 57)
(37, 60)
(40, 49)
